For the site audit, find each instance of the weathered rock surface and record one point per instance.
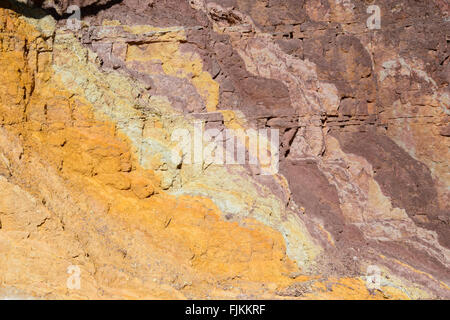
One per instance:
(87, 115)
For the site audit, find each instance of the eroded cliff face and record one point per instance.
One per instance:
(87, 117)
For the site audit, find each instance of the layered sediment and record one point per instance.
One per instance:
(88, 115)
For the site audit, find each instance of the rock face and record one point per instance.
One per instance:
(88, 113)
